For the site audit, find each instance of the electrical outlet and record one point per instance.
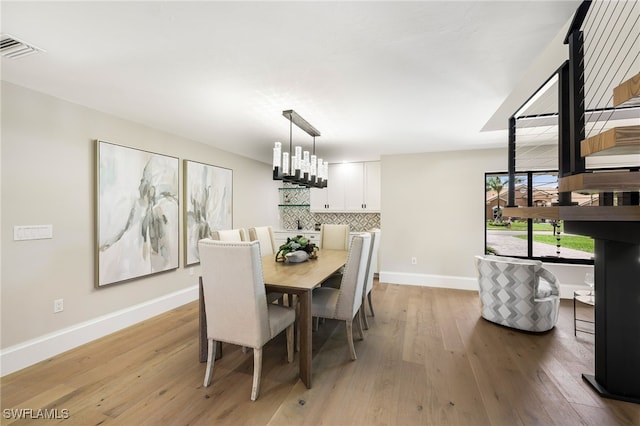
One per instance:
(58, 305)
(414, 260)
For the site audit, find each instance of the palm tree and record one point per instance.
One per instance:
(494, 183)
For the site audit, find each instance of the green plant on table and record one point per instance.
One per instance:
(297, 243)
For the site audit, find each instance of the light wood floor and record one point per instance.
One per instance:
(427, 359)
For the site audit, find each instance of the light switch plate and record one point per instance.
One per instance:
(32, 232)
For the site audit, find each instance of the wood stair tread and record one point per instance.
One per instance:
(623, 140)
(603, 181)
(576, 213)
(627, 93)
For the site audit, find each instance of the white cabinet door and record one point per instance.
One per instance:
(372, 186)
(331, 198)
(319, 199)
(280, 237)
(354, 195)
(336, 187)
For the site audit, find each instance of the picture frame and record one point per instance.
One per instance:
(137, 213)
(208, 204)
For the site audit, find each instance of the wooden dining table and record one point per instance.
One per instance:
(291, 278)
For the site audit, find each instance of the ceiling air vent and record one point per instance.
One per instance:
(11, 47)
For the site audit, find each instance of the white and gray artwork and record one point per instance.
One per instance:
(138, 219)
(208, 204)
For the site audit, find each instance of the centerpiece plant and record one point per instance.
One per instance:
(296, 243)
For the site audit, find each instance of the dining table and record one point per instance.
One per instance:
(291, 278)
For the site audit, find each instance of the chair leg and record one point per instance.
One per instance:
(257, 370)
(363, 316)
(373, 314)
(316, 321)
(211, 358)
(291, 300)
(289, 332)
(352, 349)
(358, 318)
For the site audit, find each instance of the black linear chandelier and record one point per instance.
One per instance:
(300, 168)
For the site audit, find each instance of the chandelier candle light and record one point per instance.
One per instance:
(297, 166)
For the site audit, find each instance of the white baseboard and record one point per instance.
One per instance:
(426, 280)
(24, 354)
(459, 283)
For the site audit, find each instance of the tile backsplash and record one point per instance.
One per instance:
(298, 210)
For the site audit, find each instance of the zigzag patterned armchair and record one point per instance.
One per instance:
(518, 293)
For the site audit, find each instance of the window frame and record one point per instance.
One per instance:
(547, 259)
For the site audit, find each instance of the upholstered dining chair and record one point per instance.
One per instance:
(334, 237)
(264, 234)
(236, 306)
(518, 293)
(229, 235)
(371, 268)
(344, 303)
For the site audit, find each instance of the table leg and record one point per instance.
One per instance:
(305, 337)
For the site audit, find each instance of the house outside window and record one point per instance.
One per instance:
(542, 239)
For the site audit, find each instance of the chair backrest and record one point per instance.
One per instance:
(373, 259)
(234, 292)
(229, 235)
(263, 234)
(512, 294)
(334, 237)
(518, 278)
(354, 277)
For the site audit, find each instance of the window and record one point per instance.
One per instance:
(542, 239)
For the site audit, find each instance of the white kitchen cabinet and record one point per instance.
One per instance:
(331, 198)
(353, 187)
(372, 186)
(319, 199)
(353, 175)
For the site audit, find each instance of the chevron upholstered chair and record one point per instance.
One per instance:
(518, 293)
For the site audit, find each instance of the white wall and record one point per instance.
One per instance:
(433, 210)
(48, 169)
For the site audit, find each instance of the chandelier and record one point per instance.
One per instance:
(296, 166)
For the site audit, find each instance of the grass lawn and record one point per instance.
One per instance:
(576, 242)
(522, 226)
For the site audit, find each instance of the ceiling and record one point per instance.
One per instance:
(375, 78)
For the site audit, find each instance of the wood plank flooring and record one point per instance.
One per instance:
(427, 359)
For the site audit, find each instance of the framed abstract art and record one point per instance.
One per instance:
(137, 207)
(208, 204)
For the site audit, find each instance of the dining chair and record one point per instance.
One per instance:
(371, 268)
(236, 306)
(264, 234)
(518, 293)
(344, 303)
(238, 234)
(334, 237)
